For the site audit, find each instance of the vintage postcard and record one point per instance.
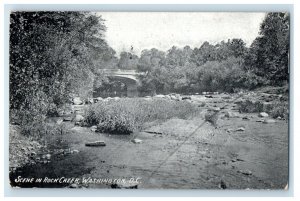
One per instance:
(149, 100)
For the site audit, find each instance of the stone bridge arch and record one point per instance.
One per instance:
(128, 77)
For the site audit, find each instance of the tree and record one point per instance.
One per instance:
(237, 48)
(150, 59)
(205, 53)
(151, 64)
(128, 61)
(104, 59)
(269, 53)
(50, 57)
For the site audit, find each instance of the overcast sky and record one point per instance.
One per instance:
(146, 30)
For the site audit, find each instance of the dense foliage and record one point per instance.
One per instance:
(225, 66)
(51, 59)
(269, 53)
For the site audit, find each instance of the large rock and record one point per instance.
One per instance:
(240, 129)
(75, 151)
(60, 112)
(69, 118)
(137, 141)
(263, 114)
(94, 128)
(91, 101)
(59, 121)
(173, 97)
(48, 156)
(245, 172)
(95, 144)
(78, 118)
(246, 118)
(186, 98)
(77, 101)
(260, 120)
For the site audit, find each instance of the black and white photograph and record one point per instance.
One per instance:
(149, 100)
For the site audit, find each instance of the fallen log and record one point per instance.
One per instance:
(153, 132)
(95, 144)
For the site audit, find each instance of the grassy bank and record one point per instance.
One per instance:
(126, 115)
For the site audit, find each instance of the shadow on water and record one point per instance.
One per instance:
(63, 163)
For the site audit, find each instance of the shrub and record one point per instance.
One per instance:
(274, 109)
(35, 125)
(279, 109)
(126, 115)
(250, 106)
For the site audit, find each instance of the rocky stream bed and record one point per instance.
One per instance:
(244, 151)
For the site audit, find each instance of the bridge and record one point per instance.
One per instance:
(128, 77)
(130, 74)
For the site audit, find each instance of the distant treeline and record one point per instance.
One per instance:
(226, 66)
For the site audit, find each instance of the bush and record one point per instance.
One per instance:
(226, 76)
(35, 125)
(126, 115)
(279, 109)
(250, 106)
(274, 109)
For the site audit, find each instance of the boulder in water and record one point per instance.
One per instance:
(240, 129)
(94, 128)
(48, 156)
(186, 98)
(67, 118)
(95, 144)
(172, 97)
(77, 101)
(136, 141)
(263, 114)
(59, 121)
(245, 172)
(78, 118)
(75, 151)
